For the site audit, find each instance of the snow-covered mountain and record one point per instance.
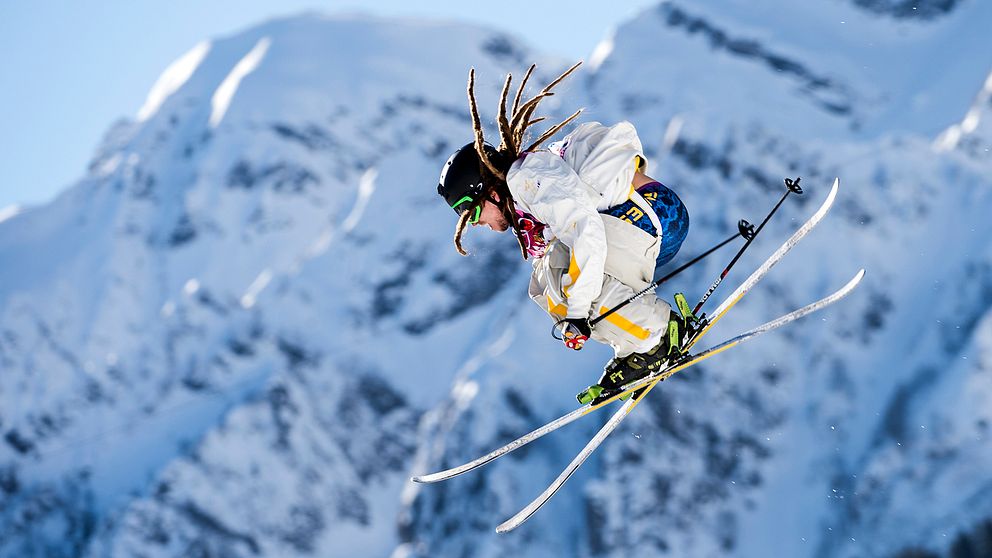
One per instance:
(245, 328)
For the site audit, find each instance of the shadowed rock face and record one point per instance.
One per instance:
(971, 543)
(909, 9)
(721, 39)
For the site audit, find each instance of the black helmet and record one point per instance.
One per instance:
(461, 181)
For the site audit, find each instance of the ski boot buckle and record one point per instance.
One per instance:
(589, 394)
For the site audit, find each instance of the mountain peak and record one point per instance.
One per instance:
(311, 62)
(828, 68)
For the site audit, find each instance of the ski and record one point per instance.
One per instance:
(648, 383)
(629, 405)
(588, 408)
(682, 365)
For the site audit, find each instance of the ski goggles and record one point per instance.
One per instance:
(465, 204)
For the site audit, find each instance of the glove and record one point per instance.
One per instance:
(575, 332)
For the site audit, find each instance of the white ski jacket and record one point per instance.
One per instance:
(566, 186)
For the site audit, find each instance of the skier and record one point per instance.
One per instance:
(594, 223)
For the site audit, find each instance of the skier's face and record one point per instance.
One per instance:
(492, 217)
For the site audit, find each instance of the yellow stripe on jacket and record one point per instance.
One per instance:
(625, 324)
(556, 309)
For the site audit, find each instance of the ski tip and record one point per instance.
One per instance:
(857, 278)
(516, 520)
(843, 291)
(420, 480)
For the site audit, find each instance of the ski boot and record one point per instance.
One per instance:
(620, 372)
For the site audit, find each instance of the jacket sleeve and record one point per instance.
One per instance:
(546, 187)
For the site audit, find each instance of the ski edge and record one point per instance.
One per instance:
(503, 450)
(770, 262)
(529, 510)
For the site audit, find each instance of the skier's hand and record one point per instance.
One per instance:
(575, 332)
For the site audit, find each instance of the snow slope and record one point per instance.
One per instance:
(245, 327)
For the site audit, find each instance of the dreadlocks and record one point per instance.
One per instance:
(511, 133)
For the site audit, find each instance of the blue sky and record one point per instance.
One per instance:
(70, 69)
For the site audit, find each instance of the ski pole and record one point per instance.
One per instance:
(792, 186)
(744, 229)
